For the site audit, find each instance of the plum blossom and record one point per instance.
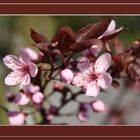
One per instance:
(93, 76)
(30, 92)
(16, 118)
(23, 68)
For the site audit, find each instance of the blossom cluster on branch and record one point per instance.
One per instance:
(84, 59)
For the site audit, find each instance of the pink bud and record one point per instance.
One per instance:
(38, 97)
(83, 116)
(34, 56)
(50, 117)
(16, 118)
(22, 99)
(66, 75)
(10, 96)
(32, 89)
(98, 106)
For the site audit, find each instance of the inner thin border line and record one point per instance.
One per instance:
(69, 3)
(70, 136)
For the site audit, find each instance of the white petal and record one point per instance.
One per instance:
(110, 29)
(14, 78)
(24, 56)
(104, 80)
(92, 89)
(33, 69)
(25, 81)
(103, 63)
(12, 62)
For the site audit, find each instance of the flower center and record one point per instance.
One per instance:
(94, 76)
(25, 69)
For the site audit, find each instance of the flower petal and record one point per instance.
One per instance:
(85, 66)
(110, 29)
(14, 78)
(12, 62)
(104, 80)
(103, 63)
(25, 81)
(24, 56)
(80, 80)
(33, 69)
(92, 89)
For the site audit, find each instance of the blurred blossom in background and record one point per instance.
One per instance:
(15, 33)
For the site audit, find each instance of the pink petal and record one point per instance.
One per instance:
(80, 80)
(104, 80)
(33, 69)
(85, 66)
(24, 56)
(25, 81)
(110, 29)
(103, 63)
(14, 78)
(92, 89)
(12, 62)
(22, 99)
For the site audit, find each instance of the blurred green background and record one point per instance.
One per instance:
(15, 33)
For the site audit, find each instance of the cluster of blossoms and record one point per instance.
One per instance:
(93, 69)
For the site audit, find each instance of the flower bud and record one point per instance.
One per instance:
(22, 99)
(66, 75)
(38, 98)
(83, 116)
(32, 89)
(49, 116)
(16, 118)
(10, 97)
(98, 106)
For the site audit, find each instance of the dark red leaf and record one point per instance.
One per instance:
(63, 39)
(86, 44)
(93, 30)
(38, 38)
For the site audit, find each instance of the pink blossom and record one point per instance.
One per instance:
(22, 99)
(66, 75)
(98, 106)
(22, 68)
(38, 97)
(93, 76)
(16, 118)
